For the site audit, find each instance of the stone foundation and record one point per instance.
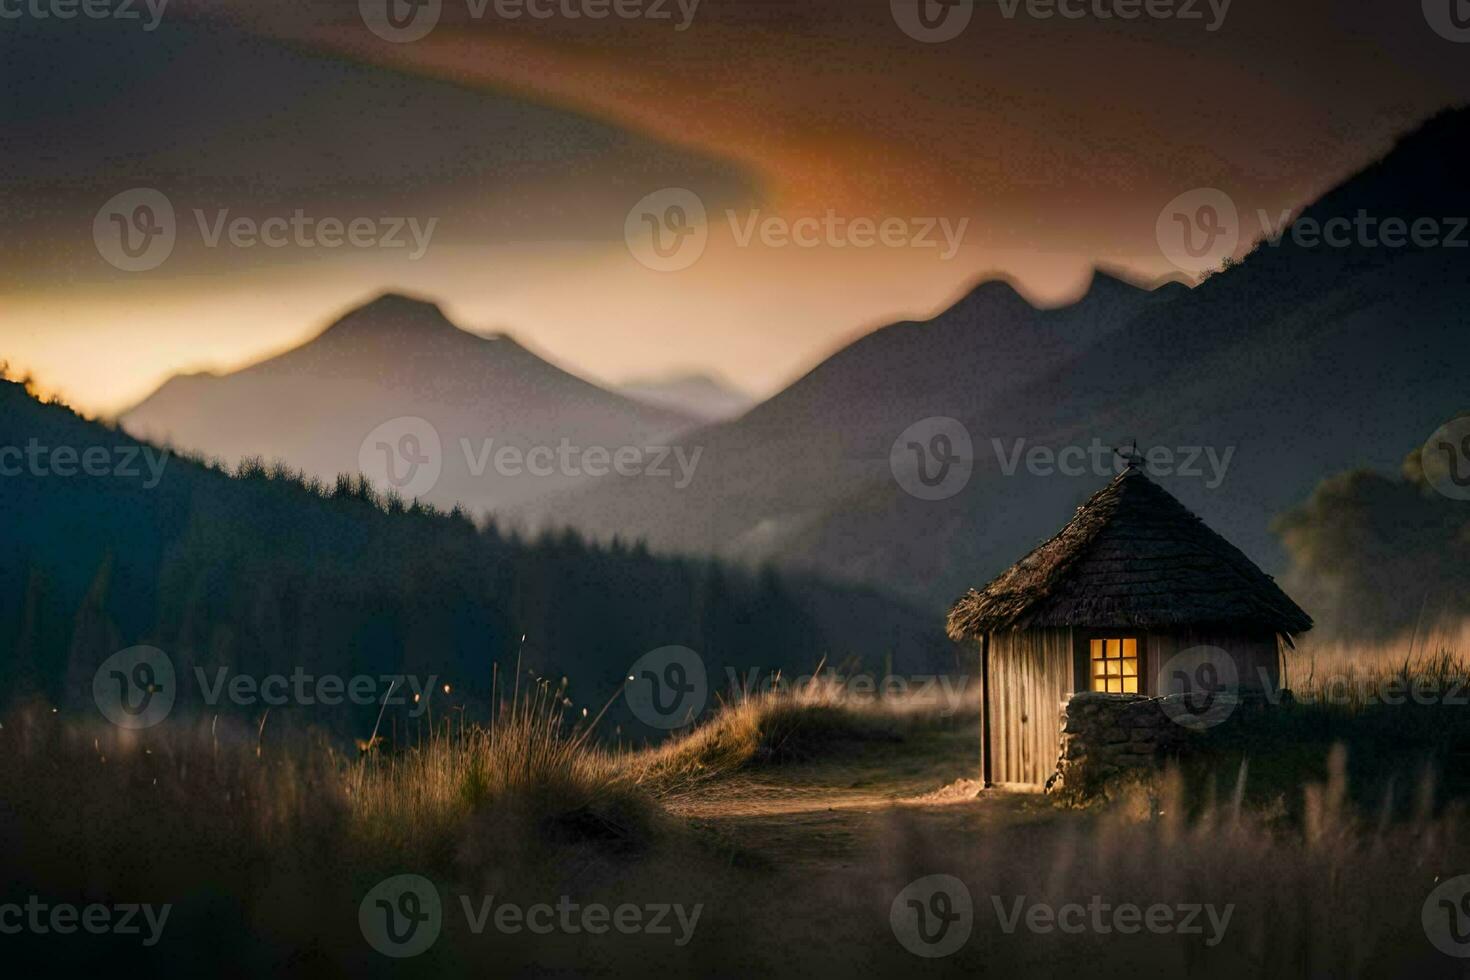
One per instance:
(1110, 736)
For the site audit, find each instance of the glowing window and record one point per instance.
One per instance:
(1115, 665)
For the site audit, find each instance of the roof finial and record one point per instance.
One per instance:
(1131, 456)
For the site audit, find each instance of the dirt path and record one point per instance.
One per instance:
(825, 816)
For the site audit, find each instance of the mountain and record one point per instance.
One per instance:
(1295, 363)
(776, 475)
(701, 396)
(260, 573)
(398, 369)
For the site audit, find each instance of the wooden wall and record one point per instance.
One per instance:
(1256, 657)
(1030, 677)
(1033, 672)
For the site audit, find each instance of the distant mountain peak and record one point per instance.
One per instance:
(1108, 286)
(698, 394)
(393, 312)
(997, 292)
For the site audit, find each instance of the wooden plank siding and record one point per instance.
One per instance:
(1030, 677)
(1257, 657)
(1029, 674)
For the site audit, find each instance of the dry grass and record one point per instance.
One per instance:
(529, 761)
(817, 718)
(1360, 675)
(266, 847)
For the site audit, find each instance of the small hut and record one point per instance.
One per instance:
(1133, 580)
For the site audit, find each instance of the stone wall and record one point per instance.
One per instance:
(1109, 736)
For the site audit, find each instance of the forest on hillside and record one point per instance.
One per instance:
(259, 571)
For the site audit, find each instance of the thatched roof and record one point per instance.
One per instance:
(1132, 556)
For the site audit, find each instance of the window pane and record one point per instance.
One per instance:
(1097, 649)
(1113, 649)
(1130, 668)
(1130, 685)
(1130, 648)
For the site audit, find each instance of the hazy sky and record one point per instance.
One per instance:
(1027, 145)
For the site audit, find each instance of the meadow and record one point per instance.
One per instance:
(790, 818)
